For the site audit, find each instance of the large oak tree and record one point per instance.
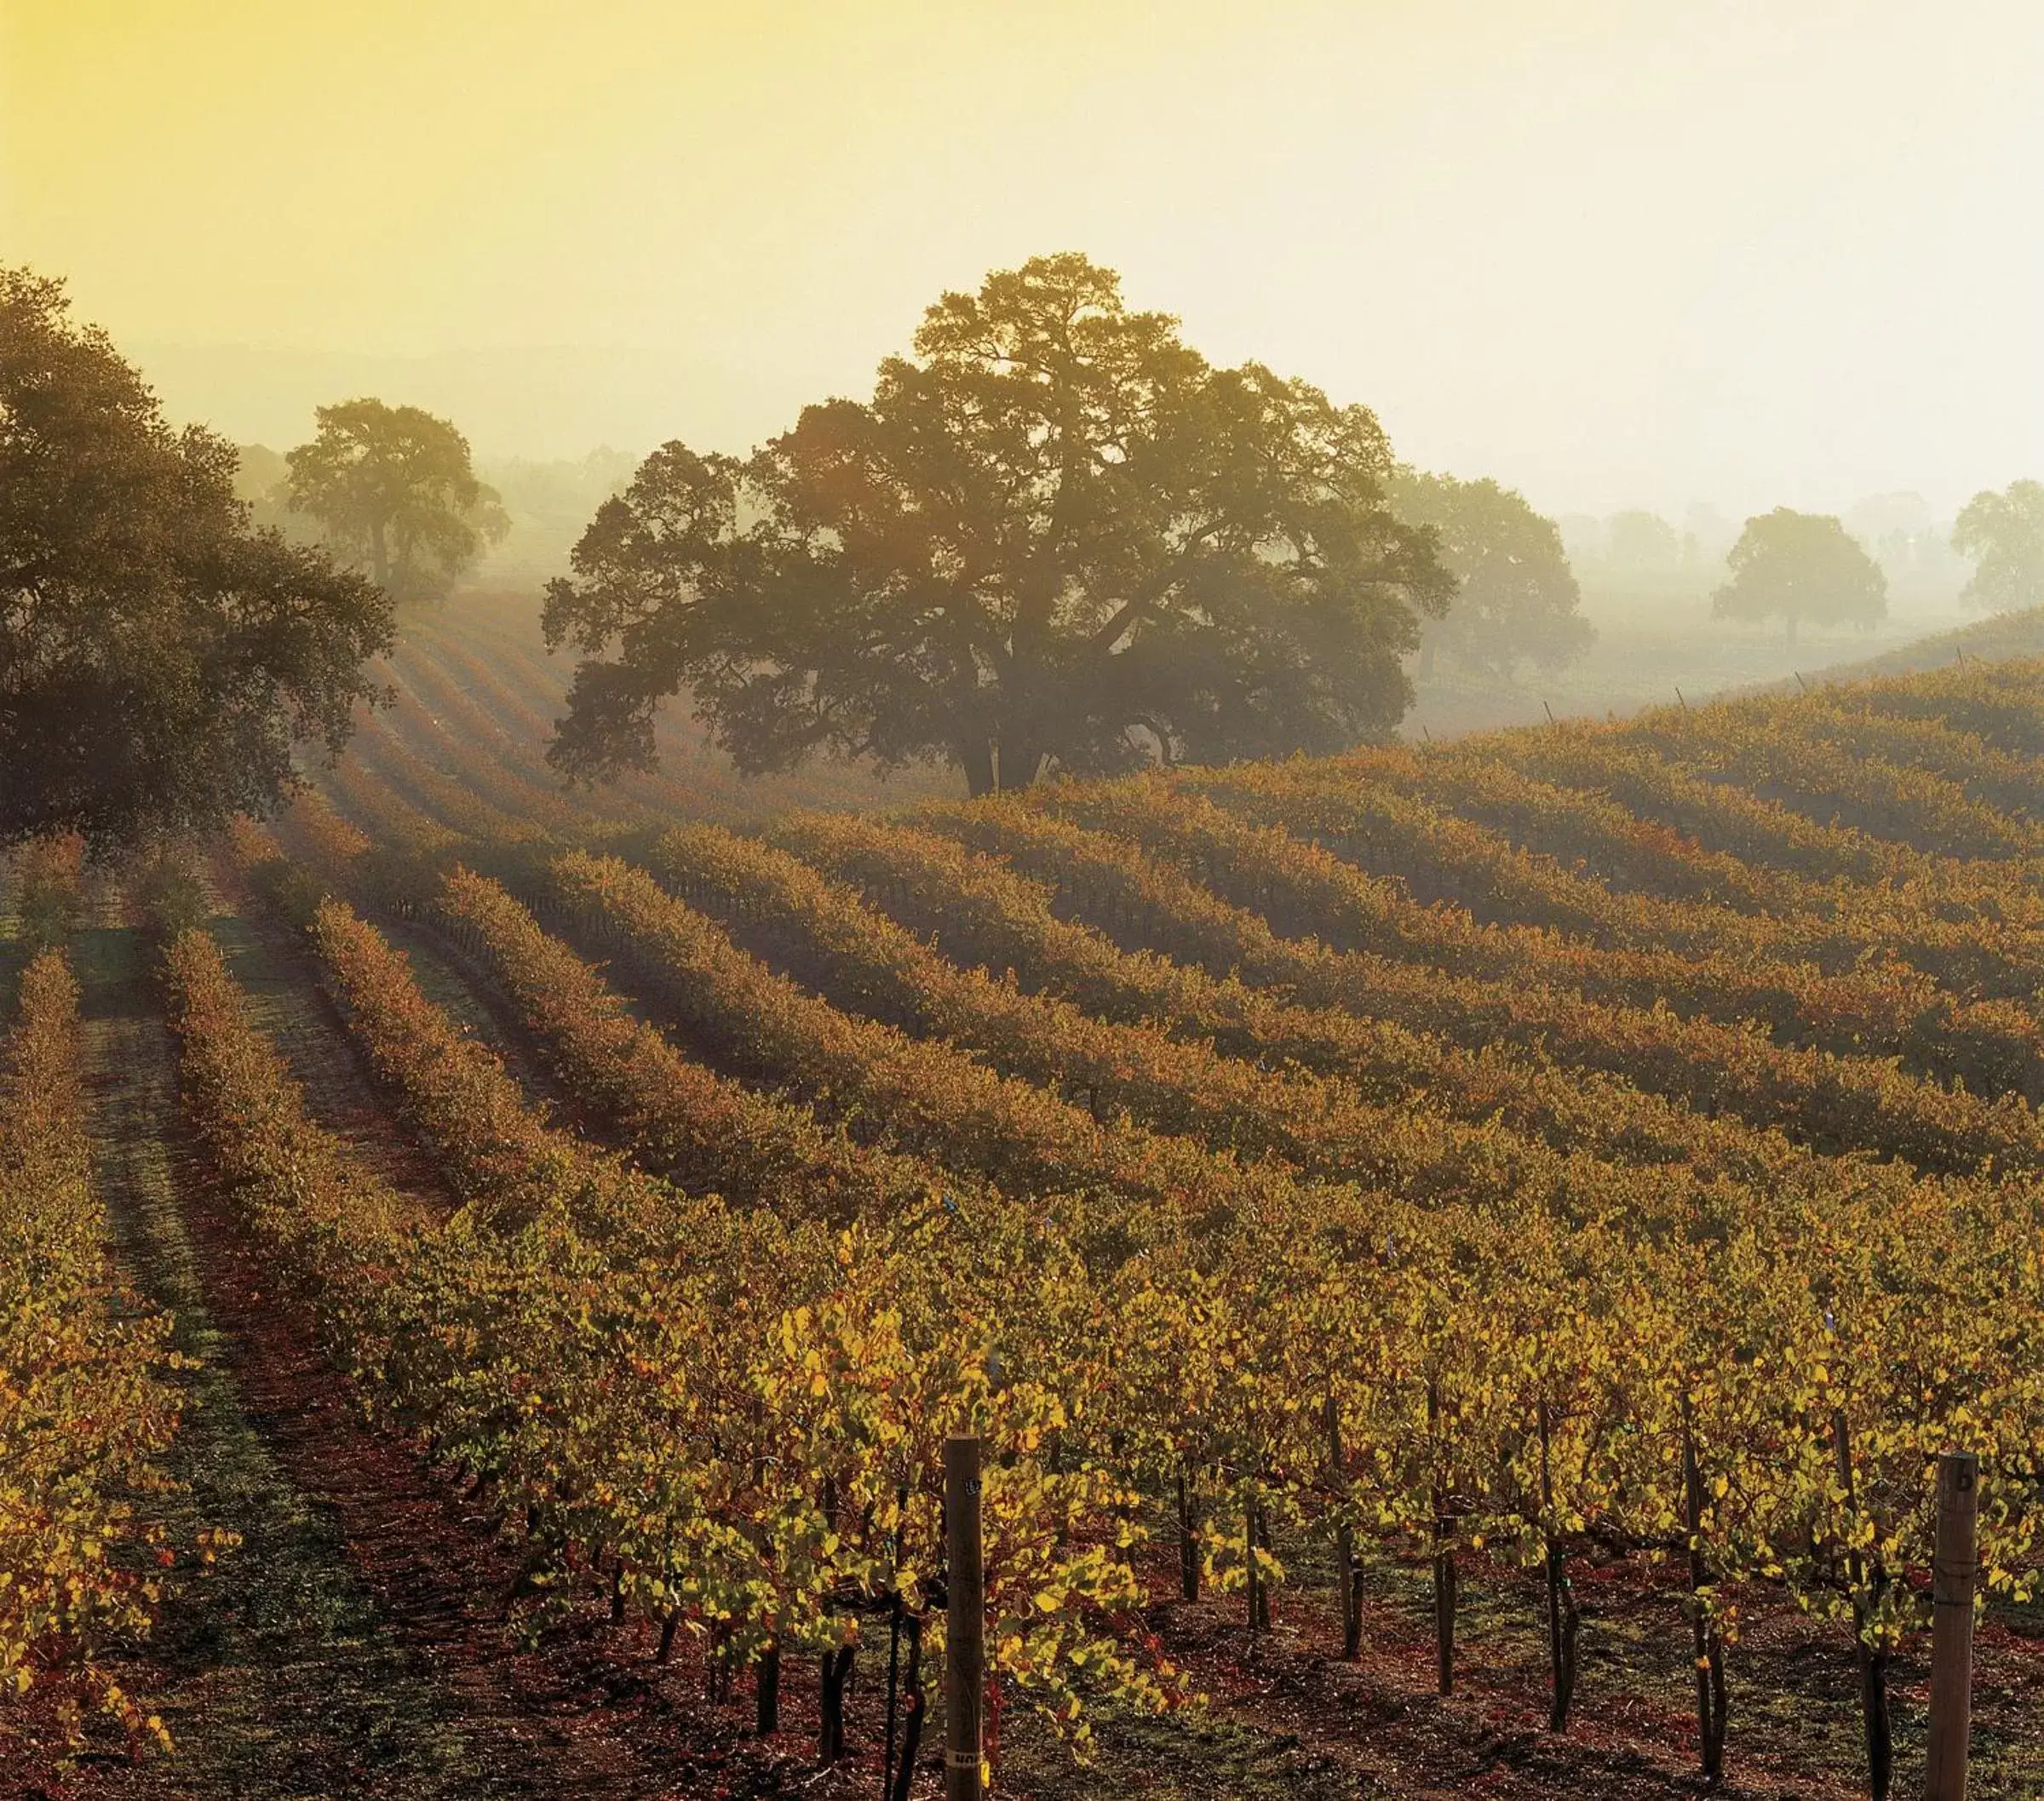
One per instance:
(1056, 536)
(160, 660)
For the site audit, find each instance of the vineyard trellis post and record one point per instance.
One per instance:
(1955, 1569)
(965, 1624)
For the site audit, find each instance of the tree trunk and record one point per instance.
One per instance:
(887, 1786)
(1248, 1552)
(976, 758)
(1710, 1652)
(379, 556)
(1714, 1678)
(716, 1665)
(1348, 1587)
(1564, 1622)
(1443, 1557)
(1188, 1542)
(402, 587)
(835, 1672)
(912, 1724)
(1444, 1605)
(1261, 1539)
(1020, 766)
(766, 1700)
(1872, 1663)
(1874, 1714)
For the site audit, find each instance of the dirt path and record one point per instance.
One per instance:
(353, 1645)
(295, 1015)
(273, 1675)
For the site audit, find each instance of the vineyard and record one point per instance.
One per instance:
(1463, 1260)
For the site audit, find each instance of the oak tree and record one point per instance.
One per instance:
(1800, 566)
(1641, 542)
(2004, 535)
(1056, 536)
(160, 660)
(1516, 600)
(394, 491)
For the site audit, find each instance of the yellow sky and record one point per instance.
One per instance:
(1743, 250)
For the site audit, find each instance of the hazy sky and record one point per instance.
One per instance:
(1746, 250)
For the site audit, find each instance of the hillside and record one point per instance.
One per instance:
(1455, 1206)
(1649, 648)
(2001, 637)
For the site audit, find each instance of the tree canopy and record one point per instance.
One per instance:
(394, 491)
(1800, 567)
(2004, 535)
(1642, 540)
(159, 659)
(1516, 600)
(1056, 536)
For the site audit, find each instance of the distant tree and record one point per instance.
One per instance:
(394, 491)
(1880, 519)
(1798, 566)
(550, 503)
(1056, 538)
(262, 483)
(159, 659)
(2004, 535)
(1707, 535)
(1517, 602)
(261, 474)
(1643, 540)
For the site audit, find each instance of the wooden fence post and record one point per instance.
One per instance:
(1954, 1567)
(965, 1626)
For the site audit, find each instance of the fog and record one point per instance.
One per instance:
(1618, 255)
(1659, 268)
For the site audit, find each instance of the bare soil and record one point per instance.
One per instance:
(364, 1640)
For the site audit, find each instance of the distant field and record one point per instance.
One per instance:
(1648, 646)
(585, 1211)
(2004, 637)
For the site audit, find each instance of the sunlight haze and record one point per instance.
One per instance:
(1615, 255)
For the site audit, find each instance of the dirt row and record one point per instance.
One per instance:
(364, 1639)
(361, 1643)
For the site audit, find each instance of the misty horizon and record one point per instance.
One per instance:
(548, 403)
(1752, 255)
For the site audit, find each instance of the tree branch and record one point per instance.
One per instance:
(1103, 641)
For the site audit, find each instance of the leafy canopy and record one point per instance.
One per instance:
(2004, 535)
(1516, 600)
(394, 491)
(159, 660)
(1055, 536)
(1643, 540)
(1798, 566)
